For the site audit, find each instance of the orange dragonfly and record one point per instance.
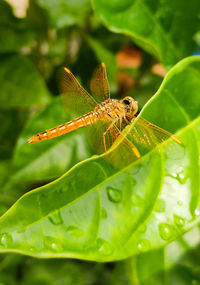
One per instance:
(108, 116)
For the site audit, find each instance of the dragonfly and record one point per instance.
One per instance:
(108, 117)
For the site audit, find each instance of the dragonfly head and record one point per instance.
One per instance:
(130, 105)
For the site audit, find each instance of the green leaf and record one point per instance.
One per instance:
(65, 13)
(178, 261)
(106, 56)
(162, 28)
(17, 75)
(51, 158)
(14, 33)
(98, 212)
(8, 138)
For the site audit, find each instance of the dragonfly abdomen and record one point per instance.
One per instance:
(85, 120)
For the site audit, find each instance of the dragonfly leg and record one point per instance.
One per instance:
(127, 121)
(129, 143)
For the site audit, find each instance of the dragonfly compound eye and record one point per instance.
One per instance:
(127, 102)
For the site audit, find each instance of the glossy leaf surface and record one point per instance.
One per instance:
(101, 213)
(13, 32)
(65, 13)
(156, 26)
(16, 79)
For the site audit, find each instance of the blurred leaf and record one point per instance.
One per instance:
(148, 84)
(48, 159)
(66, 13)
(150, 266)
(106, 56)
(82, 214)
(10, 131)
(55, 272)
(21, 84)
(153, 268)
(162, 28)
(14, 33)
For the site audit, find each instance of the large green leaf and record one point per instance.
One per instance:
(65, 13)
(51, 158)
(17, 75)
(102, 213)
(161, 27)
(14, 33)
(106, 56)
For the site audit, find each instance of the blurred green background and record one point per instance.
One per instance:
(38, 38)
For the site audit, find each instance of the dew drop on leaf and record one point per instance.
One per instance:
(180, 203)
(133, 182)
(197, 212)
(160, 206)
(179, 175)
(137, 200)
(104, 213)
(21, 231)
(51, 244)
(56, 218)
(75, 231)
(114, 195)
(104, 247)
(32, 249)
(5, 240)
(166, 231)
(143, 228)
(144, 245)
(179, 221)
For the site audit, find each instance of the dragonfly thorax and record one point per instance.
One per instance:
(109, 110)
(113, 109)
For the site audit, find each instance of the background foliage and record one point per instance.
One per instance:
(133, 38)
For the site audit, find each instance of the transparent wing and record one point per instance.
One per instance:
(104, 135)
(99, 85)
(74, 96)
(148, 135)
(96, 137)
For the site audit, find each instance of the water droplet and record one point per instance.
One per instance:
(114, 195)
(144, 245)
(137, 200)
(166, 231)
(54, 246)
(143, 228)
(21, 231)
(179, 175)
(51, 244)
(180, 203)
(61, 191)
(104, 247)
(75, 231)
(179, 221)
(133, 182)
(56, 218)
(104, 213)
(5, 240)
(197, 212)
(160, 206)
